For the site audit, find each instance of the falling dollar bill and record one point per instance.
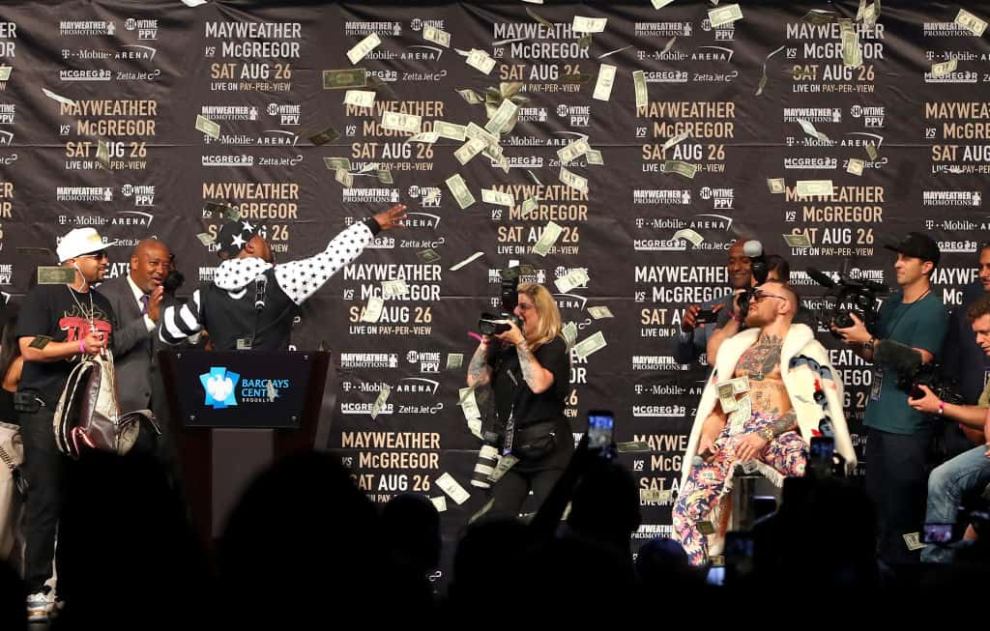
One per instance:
(551, 232)
(53, 275)
(206, 239)
(811, 131)
(508, 89)
(345, 78)
(469, 150)
(103, 154)
(327, 135)
(600, 312)
(639, 83)
(373, 311)
(394, 288)
(61, 99)
(763, 78)
(582, 24)
(855, 166)
(659, 4)
(472, 97)
(681, 137)
(680, 167)
(574, 180)
(499, 198)
(385, 176)
(689, 235)
(337, 164)
(467, 261)
(379, 403)
(595, 157)
(364, 47)
(569, 331)
(409, 123)
(505, 463)
(450, 486)
(913, 539)
(871, 150)
(603, 86)
(852, 52)
(971, 23)
(345, 178)
(502, 118)
(573, 151)
(529, 205)
(459, 189)
(590, 345)
(437, 36)
(443, 129)
(429, 137)
(207, 126)
(871, 13)
(776, 185)
(439, 503)
(480, 60)
(944, 68)
(813, 188)
(213, 209)
(633, 447)
(797, 240)
(743, 413)
(724, 15)
(5, 72)
(574, 278)
(455, 361)
(359, 98)
(820, 16)
(429, 255)
(656, 496)
(469, 403)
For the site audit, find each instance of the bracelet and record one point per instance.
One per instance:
(82, 347)
(767, 434)
(523, 345)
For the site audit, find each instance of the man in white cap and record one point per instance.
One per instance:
(58, 325)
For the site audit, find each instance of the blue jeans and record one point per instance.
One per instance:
(947, 484)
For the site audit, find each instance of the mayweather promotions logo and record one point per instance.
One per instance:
(219, 386)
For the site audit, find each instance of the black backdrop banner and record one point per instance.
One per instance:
(775, 126)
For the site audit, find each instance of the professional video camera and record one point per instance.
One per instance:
(849, 295)
(911, 373)
(493, 324)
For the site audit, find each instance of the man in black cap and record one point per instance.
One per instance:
(898, 436)
(251, 301)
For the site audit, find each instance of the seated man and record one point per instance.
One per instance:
(771, 391)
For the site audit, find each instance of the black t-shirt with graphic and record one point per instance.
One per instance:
(509, 386)
(51, 310)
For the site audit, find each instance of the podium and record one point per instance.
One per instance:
(233, 414)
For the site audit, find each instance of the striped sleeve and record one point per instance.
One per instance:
(179, 322)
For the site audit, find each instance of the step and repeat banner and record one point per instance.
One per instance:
(614, 150)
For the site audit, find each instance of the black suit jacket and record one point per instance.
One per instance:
(132, 346)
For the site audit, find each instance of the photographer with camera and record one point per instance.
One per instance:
(969, 472)
(898, 436)
(528, 367)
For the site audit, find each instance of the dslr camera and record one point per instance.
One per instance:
(495, 323)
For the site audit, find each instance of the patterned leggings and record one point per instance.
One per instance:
(787, 454)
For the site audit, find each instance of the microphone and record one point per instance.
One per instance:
(260, 283)
(821, 278)
(753, 249)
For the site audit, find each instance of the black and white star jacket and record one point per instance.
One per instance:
(226, 308)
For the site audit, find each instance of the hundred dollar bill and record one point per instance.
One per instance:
(54, 275)
(472, 97)
(603, 86)
(633, 447)
(944, 68)
(680, 167)
(206, 239)
(502, 118)
(337, 164)
(594, 157)
(797, 240)
(480, 60)
(60, 99)
(529, 204)
(570, 332)
(345, 178)
(443, 129)
(971, 23)
(600, 312)
(776, 185)
(373, 312)
(466, 152)
(573, 180)
(379, 403)
(681, 137)
(811, 131)
(913, 541)
(659, 4)
(590, 345)
(740, 385)
(574, 278)
(871, 150)
(505, 463)
(724, 15)
(490, 196)
(855, 166)
(584, 24)
(385, 177)
(813, 188)
(689, 235)
(359, 98)
(573, 151)
(639, 83)
(410, 123)
(103, 154)
(437, 36)
(449, 485)
(727, 397)
(364, 47)
(327, 135)
(207, 126)
(394, 288)
(5, 72)
(345, 78)
(455, 360)
(548, 237)
(429, 255)
(459, 189)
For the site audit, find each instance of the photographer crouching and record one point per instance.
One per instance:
(528, 367)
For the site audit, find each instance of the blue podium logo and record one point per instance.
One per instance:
(219, 387)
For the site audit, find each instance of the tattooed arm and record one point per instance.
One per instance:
(479, 372)
(538, 378)
(783, 423)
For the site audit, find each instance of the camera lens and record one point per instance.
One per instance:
(485, 466)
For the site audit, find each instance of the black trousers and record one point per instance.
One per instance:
(897, 482)
(539, 475)
(46, 470)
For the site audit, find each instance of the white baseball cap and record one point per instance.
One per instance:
(79, 241)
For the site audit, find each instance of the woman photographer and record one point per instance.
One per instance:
(529, 370)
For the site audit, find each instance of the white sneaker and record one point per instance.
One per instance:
(39, 606)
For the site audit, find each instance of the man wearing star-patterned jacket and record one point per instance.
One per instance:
(251, 301)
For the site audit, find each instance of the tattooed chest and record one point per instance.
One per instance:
(762, 360)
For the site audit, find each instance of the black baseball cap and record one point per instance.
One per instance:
(917, 245)
(234, 235)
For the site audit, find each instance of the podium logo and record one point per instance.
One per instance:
(219, 386)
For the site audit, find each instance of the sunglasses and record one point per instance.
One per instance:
(102, 254)
(760, 295)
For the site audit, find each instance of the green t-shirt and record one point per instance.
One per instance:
(921, 324)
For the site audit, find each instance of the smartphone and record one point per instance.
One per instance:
(601, 426)
(938, 533)
(821, 450)
(706, 315)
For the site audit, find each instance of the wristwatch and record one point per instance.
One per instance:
(767, 434)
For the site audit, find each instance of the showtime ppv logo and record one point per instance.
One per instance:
(872, 116)
(147, 29)
(144, 195)
(428, 362)
(289, 115)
